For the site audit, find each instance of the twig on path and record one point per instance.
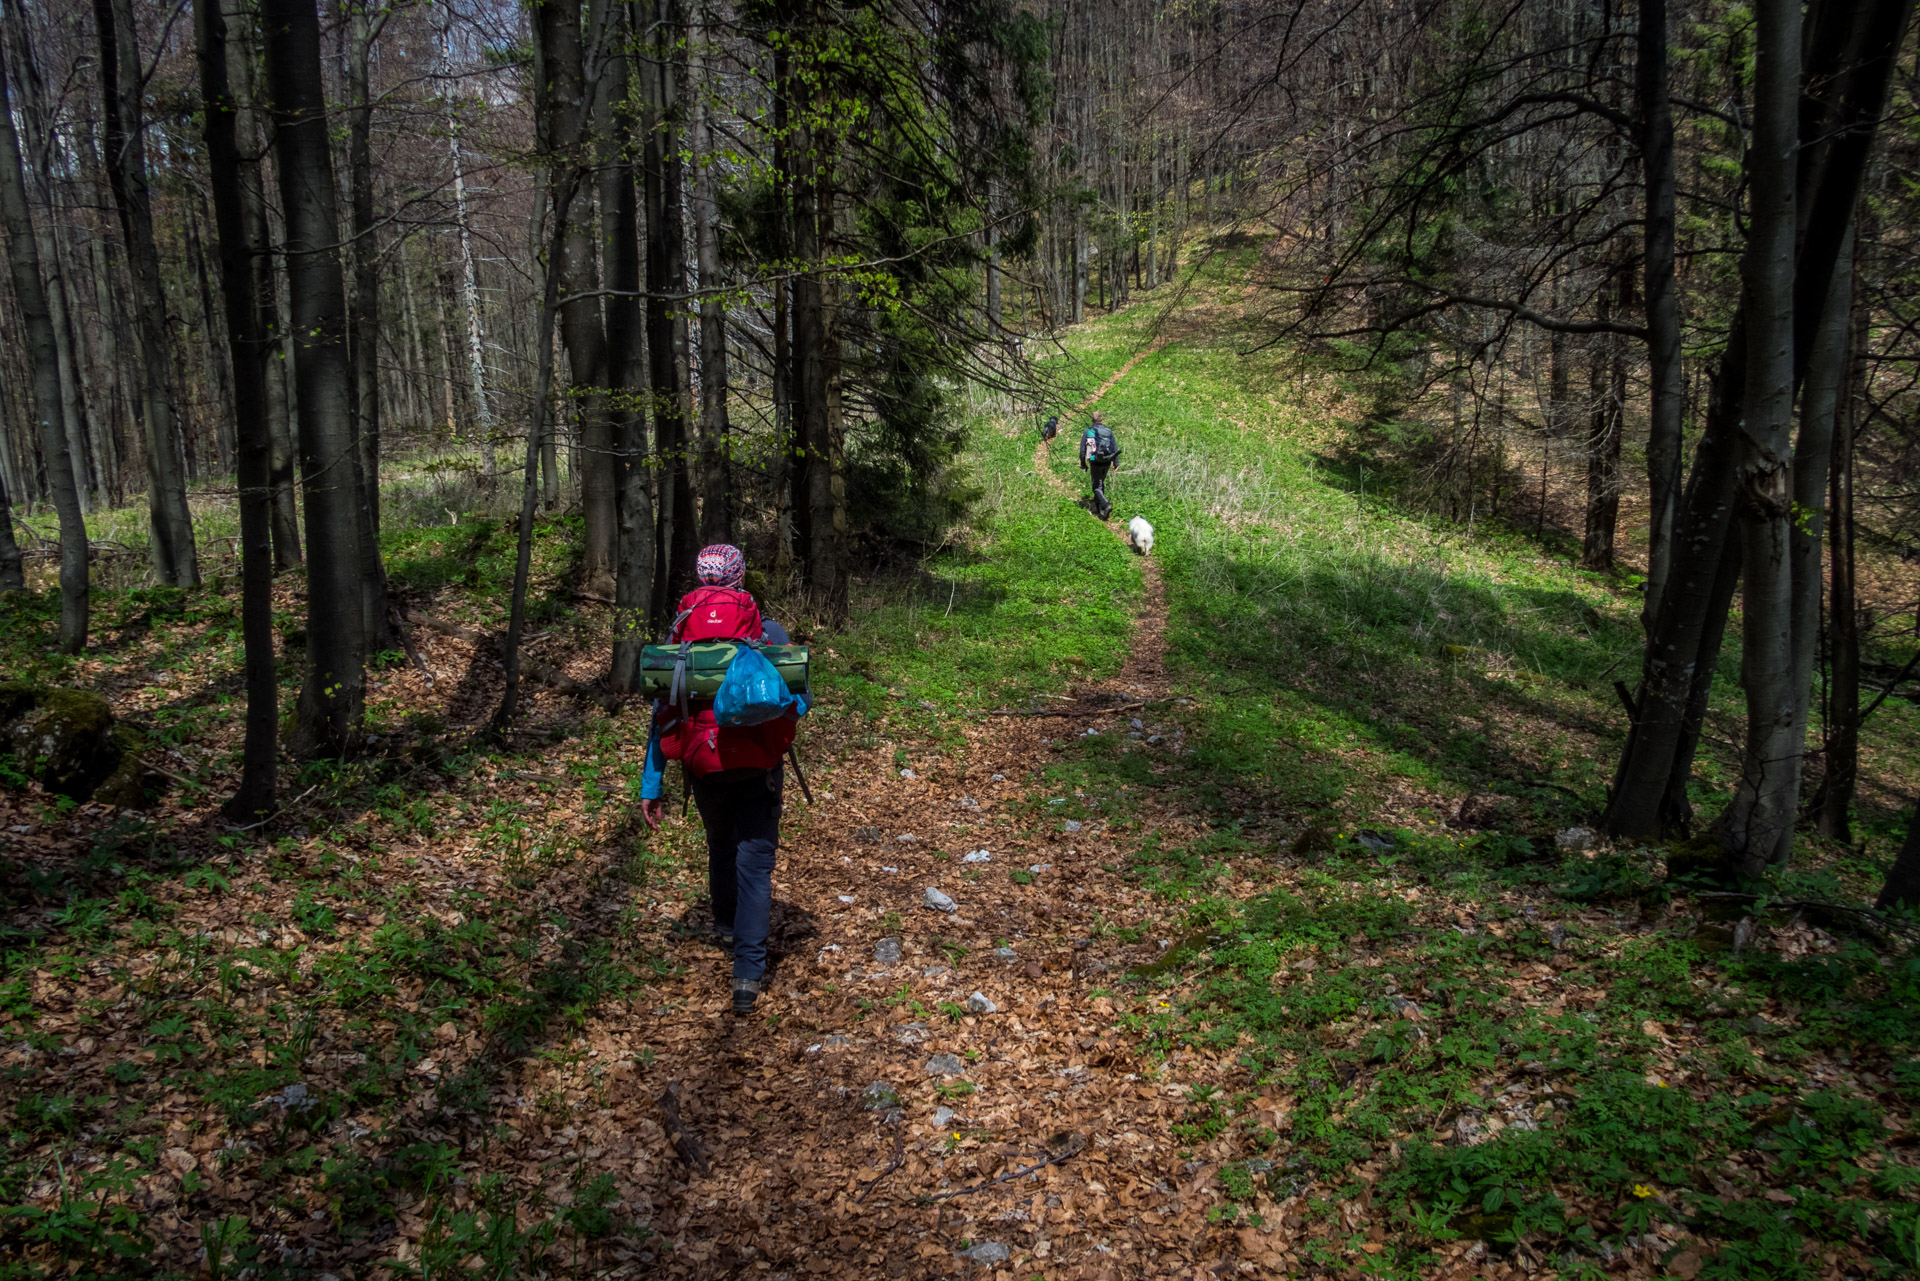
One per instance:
(1073, 1149)
(899, 1148)
(684, 1141)
(282, 812)
(178, 778)
(1087, 711)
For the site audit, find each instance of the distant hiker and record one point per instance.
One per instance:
(1050, 428)
(734, 773)
(1098, 452)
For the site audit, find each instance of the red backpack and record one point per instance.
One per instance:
(696, 739)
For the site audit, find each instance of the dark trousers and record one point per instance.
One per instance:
(1099, 472)
(741, 810)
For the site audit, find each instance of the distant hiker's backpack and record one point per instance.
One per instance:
(1105, 447)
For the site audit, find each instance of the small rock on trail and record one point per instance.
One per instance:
(887, 952)
(988, 1253)
(946, 1065)
(940, 902)
(980, 1003)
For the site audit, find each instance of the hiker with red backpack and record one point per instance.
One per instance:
(733, 770)
(1099, 451)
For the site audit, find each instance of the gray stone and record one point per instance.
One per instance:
(295, 1098)
(887, 951)
(946, 1065)
(879, 1097)
(976, 856)
(1574, 840)
(1005, 954)
(988, 1253)
(907, 773)
(1557, 936)
(907, 838)
(940, 902)
(837, 1041)
(1073, 825)
(1378, 842)
(910, 1033)
(999, 778)
(866, 835)
(934, 971)
(968, 803)
(941, 1118)
(979, 1003)
(1403, 1007)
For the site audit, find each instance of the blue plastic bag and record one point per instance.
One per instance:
(752, 693)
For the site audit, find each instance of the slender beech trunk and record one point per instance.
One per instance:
(1833, 805)
(217, 354)
(333, 696)
(249, 137)
(1820, 405)
(785, 553)
(1902, 888)
(1605, 383)
(172, 552)
(12, 579)
(29, 293)
(568, 124)
(1666, 378)
(1850, 59)
(1759, 824)
(626, 363)
(246, 268)
(666, 332)
(566, 181)
(363, 326)
(808, 350)
(716, 467)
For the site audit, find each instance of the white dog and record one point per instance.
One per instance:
(1140, 534)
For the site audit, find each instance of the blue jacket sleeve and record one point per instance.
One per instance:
(652, 778)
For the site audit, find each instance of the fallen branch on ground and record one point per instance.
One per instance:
(899, 1147)
(683, 1140)
(1073, 1149)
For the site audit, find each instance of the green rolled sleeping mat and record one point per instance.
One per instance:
(707, 663)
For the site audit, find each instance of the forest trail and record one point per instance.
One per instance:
(937, 1138)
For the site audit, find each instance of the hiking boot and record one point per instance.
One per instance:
(745, 993)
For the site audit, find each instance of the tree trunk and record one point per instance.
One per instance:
(11, 577)
(469, 276)
(626, 363)
(1606, 385)
(1851, 61)
(568, 126)
(171, 548)
(1821, 404)
(1902, 888)
(666, 335)
(29, 292)
(332, 698)
(566, 179)
(246, 269)
(1666, 378)
(716, 476)
(1833, 805)
(363, 354)
(217, 354)
(1759, 824)
(249, 137)
(785, 553)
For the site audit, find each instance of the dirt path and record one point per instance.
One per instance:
(880, 1119)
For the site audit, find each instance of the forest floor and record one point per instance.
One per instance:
(1271, 950)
